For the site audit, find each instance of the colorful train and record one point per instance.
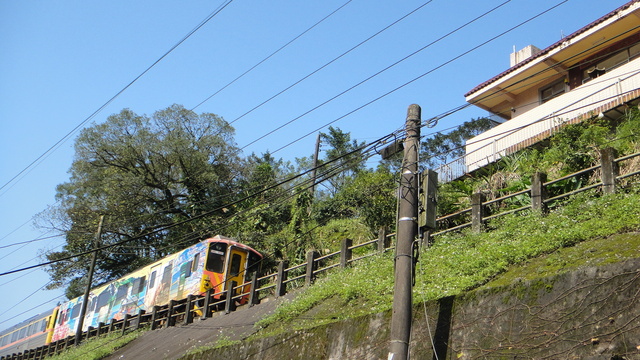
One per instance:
(211, 264)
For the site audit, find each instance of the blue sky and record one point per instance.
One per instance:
(62, 60)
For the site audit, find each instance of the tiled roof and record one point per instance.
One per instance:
(553, 46)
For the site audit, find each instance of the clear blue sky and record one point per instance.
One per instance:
(62, 60)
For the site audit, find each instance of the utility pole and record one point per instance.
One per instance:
(314, 166)
(83, 309)
(407, 230)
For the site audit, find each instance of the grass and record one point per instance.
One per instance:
(464, 261)
(98, 347)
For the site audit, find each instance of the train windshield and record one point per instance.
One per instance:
(215, 258)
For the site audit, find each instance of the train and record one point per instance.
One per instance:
(210, 264)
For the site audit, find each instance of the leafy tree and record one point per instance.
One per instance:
(143, 173)
(348, 158)
(441, 148)
(369, 196)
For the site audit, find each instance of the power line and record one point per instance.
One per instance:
(423, 74)
(330, 62)
(272, 54)
(96, 112)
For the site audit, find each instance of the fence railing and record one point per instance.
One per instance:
(542, 194)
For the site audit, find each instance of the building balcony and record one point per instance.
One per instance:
(609, 91)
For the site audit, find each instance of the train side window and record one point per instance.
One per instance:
(254, 263)
(122, 292)
(152, 280)
(215, 258)
(14, 336)
(32, 329)
(166, 276)
(76, 310)
(103, 299)
(194, 264)
(186, 268)
(138, 286)
(43, 324)
(23, 332)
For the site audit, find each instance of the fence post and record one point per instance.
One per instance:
(207, 303)
(281, 286)
(154, 318)
(112, 324)
(383, 241)
(124, 323)
(311, 267)
(229, 304)
(169, 321)
(539, 192)
(139, 321)
(609, 169)
(253, 294)
(477, 211)
(345, 252)
(188, 314)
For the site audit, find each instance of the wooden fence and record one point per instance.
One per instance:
(182, 312)
(541, 194)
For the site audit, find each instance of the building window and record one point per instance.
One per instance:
(611, 62)
(554, 90)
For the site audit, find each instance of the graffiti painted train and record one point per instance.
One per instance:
(211, 264)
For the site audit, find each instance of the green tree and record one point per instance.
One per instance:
(346, 156)
(143, 173)
(441, 148)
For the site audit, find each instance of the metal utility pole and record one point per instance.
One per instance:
(407, 230)
(83, 309)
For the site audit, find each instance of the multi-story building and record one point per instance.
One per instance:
(594, 71)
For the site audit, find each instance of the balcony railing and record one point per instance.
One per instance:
(599, 95)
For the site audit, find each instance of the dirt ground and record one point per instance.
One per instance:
(175, 342)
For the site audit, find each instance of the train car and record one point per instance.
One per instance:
(213, 263)
(29, 334)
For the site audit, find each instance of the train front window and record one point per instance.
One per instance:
(215, 258)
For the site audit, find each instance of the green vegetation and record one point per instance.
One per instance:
(98, 347)
(464, 261)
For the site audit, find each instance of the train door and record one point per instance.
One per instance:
(236, 268)
(152, 287)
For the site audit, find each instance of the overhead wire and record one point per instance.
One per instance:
(108, 102)
(379, 72)
(421, 76)
(272, 54)
(330, 62)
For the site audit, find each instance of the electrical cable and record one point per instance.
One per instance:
(330, 62)
(421, 76)
(368, 78)
(96, 112)
(272, 54)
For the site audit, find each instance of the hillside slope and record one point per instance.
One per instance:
(580, 302)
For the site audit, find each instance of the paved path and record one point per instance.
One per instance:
(175, 342)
